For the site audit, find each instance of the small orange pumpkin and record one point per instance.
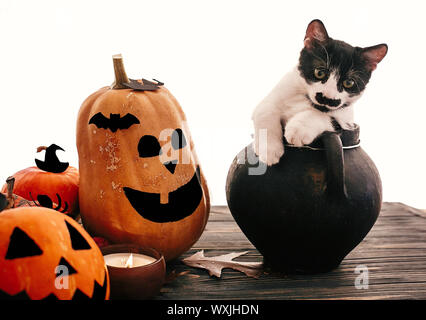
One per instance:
(140, 180)
(47, 255)
(51, 184)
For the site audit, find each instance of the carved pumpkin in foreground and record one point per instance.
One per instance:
(45, 254)
(51, 184)
(140, 181)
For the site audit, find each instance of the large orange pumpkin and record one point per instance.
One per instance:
(47, 255)
(140, 180)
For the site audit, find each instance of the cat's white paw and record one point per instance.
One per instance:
(299, 135)
(273, 153)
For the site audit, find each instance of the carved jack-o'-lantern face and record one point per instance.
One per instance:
(47, 255)
(159, 206)
(140, 181)
(181, 202)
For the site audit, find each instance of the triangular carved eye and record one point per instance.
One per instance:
(64, 263)
(77, 240)
(21, 246)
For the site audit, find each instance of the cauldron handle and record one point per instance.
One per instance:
(336, 188)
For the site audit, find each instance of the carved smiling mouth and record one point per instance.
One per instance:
(99, 293)
(182, 202)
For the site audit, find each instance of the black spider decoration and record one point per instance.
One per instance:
(45, 201)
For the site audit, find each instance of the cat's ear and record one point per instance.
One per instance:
(315, 32)
(373, 55)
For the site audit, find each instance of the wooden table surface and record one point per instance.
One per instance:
(394, 252)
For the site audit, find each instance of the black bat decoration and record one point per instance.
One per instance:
(114, 122)
(143, 85)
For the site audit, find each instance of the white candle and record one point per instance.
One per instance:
(128, 260)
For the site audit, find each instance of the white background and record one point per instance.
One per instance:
(219, 58)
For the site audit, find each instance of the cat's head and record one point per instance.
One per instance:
(335, 72)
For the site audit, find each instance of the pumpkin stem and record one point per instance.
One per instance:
(51, 161)
(3, 202)
(120, 73)
(10, 184)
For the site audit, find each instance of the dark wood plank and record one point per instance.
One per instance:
(394, 252)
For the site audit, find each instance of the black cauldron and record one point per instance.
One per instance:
(307, 212)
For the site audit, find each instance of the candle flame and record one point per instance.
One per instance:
(129, 262)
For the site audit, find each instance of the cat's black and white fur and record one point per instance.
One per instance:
(317, 95)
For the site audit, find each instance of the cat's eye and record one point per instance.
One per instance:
(319, 73)
(348, 83)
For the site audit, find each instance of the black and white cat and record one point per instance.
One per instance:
(317, 95)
